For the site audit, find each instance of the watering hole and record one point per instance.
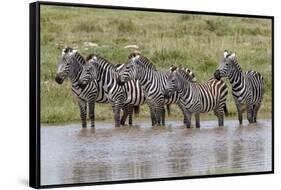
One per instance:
(70, 154)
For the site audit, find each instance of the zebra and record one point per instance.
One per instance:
(153, 82)
(247, 88)
(127, 96)
(197, 97)
(70, 65)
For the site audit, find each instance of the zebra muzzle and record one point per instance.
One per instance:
(59, 79)
(217, 75)
(167, 95)
(119, 81)
(82, 84)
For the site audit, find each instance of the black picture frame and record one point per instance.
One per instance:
(34, 92)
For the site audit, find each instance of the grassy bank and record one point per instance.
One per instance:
(192, 41)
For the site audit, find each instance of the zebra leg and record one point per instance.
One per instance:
(255, 112)
(184, 115)
(250, 111)
(125, 115)
(116, 110)
(83, 111)
(92, 113)
(239, 110)
(197, 120)
(163, 115)
(219, 112)
(188, 119)
(130, 112)
(158, 111)
(152, 114)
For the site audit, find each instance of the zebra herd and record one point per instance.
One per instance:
(128, 86)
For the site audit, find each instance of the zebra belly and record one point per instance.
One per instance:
(198, 105)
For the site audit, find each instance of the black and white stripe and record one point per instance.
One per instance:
(197, 97)
(247, 88)
(126, 96)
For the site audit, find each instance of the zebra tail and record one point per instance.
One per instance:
(168, 109)
(136, 111)
(225, 110)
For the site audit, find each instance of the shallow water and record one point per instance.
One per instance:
(70, 154)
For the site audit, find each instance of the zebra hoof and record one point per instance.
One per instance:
(92, 126)
(84, 125)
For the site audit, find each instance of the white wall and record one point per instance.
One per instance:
(14, 92)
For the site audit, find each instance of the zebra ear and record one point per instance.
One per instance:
(233, 55)
(94, 57)
(173, 67)
(225, 53)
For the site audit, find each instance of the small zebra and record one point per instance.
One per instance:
(153, 83)
(127, 96)
(71, 65)
(197, 98)
(247, 88)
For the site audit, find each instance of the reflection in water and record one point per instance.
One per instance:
(70, 154)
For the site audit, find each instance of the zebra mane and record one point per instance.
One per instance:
(185, 75)
(144, 61)
(185, 72)
(67, 49)
(103, 64)
(80, 58)
(173, 68)
(99, 59)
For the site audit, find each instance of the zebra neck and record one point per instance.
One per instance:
(104, 70)
(146, 77)
(185, 86)
(76, 74)
(237, 80)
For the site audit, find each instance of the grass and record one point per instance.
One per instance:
(194, 41)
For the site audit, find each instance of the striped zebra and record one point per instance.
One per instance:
(197, 97)
(127, 96)
(71, 65)
(247, 88)
(153, 83)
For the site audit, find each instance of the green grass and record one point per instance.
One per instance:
(193, 41)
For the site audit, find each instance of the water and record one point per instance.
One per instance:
(70, 154)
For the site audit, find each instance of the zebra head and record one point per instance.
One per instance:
(88, 71)
(172, 83)
(129, 70)
(226, 67)
(66, 64)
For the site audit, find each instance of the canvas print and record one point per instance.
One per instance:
(128, 94)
